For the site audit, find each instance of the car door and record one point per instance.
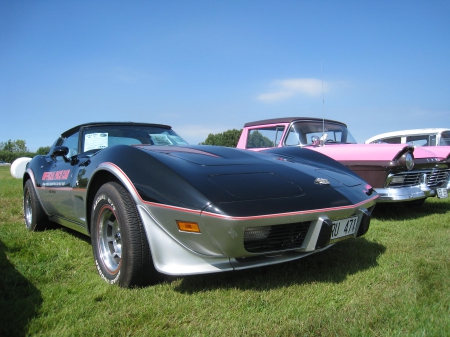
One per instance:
(58, 179)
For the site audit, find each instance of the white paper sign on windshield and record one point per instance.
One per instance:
(160, 139)
(94, 141)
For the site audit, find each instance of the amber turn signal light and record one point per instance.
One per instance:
(186, 226)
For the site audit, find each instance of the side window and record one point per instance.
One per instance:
(445, 138)
(72, 143)
(421, 140)
(264, 137)
(433, 141)
(393, 140)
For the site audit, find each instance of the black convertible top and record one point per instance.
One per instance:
(71, 130)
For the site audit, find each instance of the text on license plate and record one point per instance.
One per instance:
(344, 227)
(442, 193)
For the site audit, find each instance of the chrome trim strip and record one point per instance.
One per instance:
(70, 224)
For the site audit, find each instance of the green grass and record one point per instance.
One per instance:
(395, 281)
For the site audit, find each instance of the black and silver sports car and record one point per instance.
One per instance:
(155, 205)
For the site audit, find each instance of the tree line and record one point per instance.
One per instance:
(228, 138)
(13, 149)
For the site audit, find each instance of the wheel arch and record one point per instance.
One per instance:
(28, 175)
(105, 173)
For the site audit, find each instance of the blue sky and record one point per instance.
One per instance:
(210, 66)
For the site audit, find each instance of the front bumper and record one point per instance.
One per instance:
(407, 193)
(400, 194)
(221, 244)
(426, 185)
(432, 191)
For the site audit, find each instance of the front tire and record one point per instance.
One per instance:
(120, 246)
(34, 214)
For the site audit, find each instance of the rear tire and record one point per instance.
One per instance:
(120, 246)
(34, 214)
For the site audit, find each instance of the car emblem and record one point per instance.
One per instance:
(321, 181)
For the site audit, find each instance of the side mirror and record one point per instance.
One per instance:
(62, 151)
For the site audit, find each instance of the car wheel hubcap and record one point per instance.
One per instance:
(110, 241)
(28, 209)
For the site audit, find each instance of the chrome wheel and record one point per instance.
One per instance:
(110, 240)
(34, 215)
(28, 208)
(119, 242)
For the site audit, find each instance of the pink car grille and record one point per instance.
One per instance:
(433, 178)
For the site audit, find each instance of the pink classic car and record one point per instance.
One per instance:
(398, 172)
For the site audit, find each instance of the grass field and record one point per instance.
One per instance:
(395, 281)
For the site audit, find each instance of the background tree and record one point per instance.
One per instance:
(20, 146)
(256, 139)
(13, 149)
(43, 150)
(228, 138)
(14, 146)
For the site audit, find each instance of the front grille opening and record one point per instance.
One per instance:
(432, 178)
(275, 238)
(438, 177)
(405, 179)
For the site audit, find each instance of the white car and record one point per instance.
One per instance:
(416, 137)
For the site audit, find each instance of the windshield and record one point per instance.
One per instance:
(100, 137)
(303, 133)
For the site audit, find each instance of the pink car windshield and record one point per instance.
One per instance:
(305, 133)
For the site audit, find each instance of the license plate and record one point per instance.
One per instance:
(442, 193)
(344, 227)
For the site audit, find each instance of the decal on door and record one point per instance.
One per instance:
(54, 178)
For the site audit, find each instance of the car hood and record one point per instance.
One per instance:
(225, 166)
(438, 152)
(363, 152)
(243, 182)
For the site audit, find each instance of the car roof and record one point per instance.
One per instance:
(410, 132)
(71, 130)
(290, 120)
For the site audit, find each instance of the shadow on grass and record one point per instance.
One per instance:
(405, 211)
(331, 266)
(20, 300)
